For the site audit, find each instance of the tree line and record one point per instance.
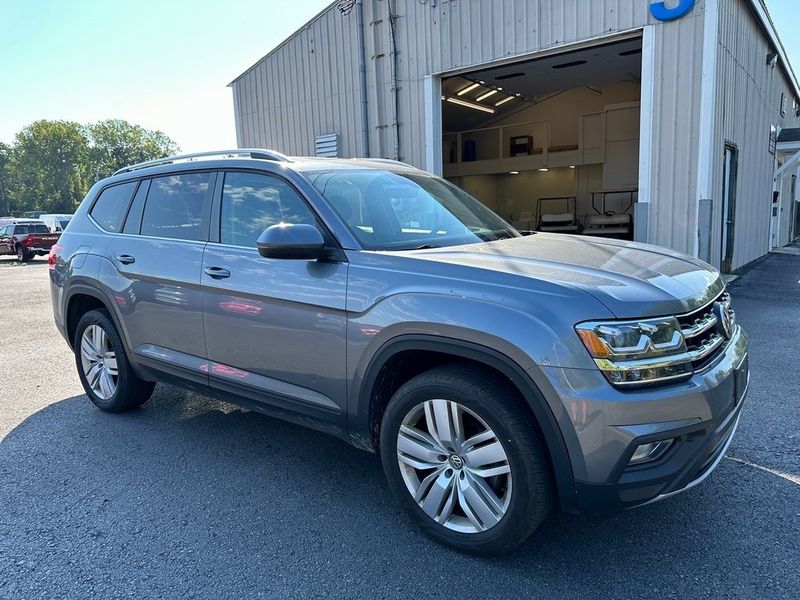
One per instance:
(51, 165)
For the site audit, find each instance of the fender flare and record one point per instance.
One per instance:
(89, 290)
(361, 426)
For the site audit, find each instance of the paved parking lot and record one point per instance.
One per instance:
(189, 497)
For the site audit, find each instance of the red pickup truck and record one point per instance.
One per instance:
(26, 239)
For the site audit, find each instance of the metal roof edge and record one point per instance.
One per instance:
(772, 33)
(285, 41)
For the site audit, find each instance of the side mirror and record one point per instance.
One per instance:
(286, 240)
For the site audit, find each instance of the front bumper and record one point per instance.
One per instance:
(700, 416)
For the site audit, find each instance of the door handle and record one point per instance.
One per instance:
(217, 272)
(126, 259)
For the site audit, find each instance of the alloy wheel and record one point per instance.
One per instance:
(454, 466)
(99, 362)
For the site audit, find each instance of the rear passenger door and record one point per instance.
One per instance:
(155, 263)
(275, 327)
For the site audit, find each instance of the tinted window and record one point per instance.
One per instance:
(174, 207)
(110, 208)
(31, 228)
(251, 203)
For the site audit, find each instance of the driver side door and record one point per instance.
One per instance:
(275, 328)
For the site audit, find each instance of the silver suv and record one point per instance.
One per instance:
(498, 376)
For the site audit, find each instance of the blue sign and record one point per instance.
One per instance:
(662, 13)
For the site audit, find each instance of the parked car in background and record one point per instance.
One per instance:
(55, 222)
(32, 214)
(498, 376)
(26, 238)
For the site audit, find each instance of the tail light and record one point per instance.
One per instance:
(52, 258)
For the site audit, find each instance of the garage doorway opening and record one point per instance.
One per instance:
(550, 143)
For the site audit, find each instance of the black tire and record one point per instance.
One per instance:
(131, 391)
(22, 254)
(497, 403)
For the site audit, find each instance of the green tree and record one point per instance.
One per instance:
(47, 167)
(5, 153)
(116, 143)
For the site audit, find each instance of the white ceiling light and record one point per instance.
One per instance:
(469, 88)
(471, 105)
(513, 172)
(486, 95)
(504, 100)
(544, 170)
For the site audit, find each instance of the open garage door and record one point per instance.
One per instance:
(551, 143)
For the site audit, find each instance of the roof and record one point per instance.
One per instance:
(757, 6)
(789, 135)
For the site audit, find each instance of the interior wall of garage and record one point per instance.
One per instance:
(309, 84)
(749, 97)
(562, 114)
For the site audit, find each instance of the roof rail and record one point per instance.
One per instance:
(259, 153)
(389, 161)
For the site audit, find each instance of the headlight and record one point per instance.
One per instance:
(637, 352)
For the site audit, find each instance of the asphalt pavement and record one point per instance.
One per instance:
(190, 497)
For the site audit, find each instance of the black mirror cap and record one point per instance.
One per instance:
(292, 241)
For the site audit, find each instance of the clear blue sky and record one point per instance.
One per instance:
(163, 64)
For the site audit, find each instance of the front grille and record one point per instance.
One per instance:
(705, 334)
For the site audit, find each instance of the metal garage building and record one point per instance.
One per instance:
(674, 122)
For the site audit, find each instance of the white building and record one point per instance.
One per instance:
(682, 114)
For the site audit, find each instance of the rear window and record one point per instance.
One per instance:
(174, 207)
(110, 207)
(31, 228)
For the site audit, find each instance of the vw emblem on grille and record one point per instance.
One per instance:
(724, 320)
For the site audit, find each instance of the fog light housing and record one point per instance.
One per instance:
(649, 452)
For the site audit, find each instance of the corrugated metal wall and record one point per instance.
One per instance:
(674, 152)
(749, 95)
(309, 86)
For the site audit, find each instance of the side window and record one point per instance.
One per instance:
(110, 207)
(174, 206)
(253, 202)
(4, 230)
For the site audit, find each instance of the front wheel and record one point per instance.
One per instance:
(103, 366)
(466, 460)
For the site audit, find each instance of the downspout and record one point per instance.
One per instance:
(395, 86)
(362, 75)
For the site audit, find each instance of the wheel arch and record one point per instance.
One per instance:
(436, 350)
(74, 301)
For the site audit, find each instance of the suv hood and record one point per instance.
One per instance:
(632, 280)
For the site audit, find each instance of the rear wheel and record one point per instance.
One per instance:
(103, 366)
(466, 460)
(22, 254)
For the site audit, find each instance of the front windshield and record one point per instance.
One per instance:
(389, 210)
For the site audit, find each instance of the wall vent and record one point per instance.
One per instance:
(327, 145)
